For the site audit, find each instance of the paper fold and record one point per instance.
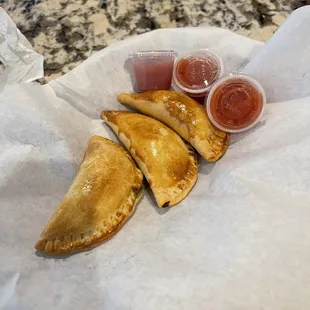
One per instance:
(21, 62)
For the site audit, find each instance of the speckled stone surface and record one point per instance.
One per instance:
(68, 31)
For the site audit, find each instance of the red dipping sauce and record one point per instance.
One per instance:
(192, 72)
(236, 103)
(196, 71)
(153, 69)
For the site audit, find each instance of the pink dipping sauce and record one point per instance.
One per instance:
(153, 69)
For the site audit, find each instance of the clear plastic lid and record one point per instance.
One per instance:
(195, 71)
(153, 54)
(236, 103)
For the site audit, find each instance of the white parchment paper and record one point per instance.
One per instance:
(283, 66)
(21, 62)
(239, 241)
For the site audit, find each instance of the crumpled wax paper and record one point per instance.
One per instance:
(21, 62)
(240, 240)
(283, 66)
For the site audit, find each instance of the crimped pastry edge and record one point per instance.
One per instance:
(93, 238)
(86, 241)
(188, 182)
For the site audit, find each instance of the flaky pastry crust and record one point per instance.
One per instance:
(101, 198)
(185, 116)
(168, 163)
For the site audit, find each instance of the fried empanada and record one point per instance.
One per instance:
(169, 165)
(185, 116)
(101, 198)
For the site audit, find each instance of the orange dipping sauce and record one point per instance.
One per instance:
(236, 103)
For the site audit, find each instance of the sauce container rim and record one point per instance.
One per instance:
(208, 52)
(153, 54)
(233, 76)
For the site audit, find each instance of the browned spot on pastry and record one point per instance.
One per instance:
(135, 189)
(166, 204)
(181, 186)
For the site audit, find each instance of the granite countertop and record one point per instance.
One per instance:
(68, 31)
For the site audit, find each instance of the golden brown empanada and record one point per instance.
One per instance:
(98, 203)
(185, 116)
(169, 165)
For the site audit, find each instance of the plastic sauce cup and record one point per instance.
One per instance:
(236, 103)
(195, 72)
(153, 69)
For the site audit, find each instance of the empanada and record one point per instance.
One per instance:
(98, 203)
(185, 116)
(169, 165)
